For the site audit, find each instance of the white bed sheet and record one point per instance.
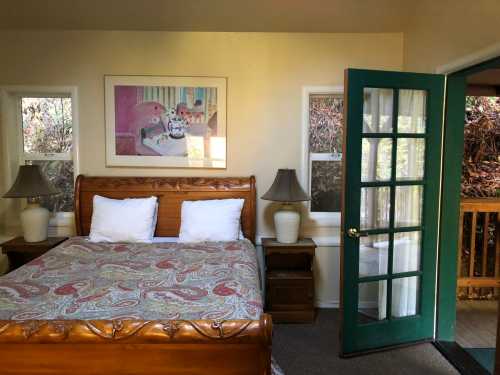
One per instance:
(165, 239)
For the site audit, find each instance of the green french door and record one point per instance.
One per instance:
(392, 153)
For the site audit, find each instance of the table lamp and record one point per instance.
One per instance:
(286, 189)
(31, 184)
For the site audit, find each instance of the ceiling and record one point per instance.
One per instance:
(207, 15)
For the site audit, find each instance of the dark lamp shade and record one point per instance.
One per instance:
(30, 182)
(286, 188)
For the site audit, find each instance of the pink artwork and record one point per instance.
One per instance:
(152, 120)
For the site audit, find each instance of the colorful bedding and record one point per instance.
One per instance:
(83, 280)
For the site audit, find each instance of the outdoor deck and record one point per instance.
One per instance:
(476, 324)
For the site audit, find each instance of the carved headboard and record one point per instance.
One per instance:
(171, 192)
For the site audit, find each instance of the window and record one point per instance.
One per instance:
(322, 139)
(46, 127)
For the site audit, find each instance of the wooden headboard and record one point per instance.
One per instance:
(171, 192)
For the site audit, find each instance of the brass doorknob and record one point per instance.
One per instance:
(355, 233)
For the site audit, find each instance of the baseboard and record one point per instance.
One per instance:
(335, 304)
(327, 304)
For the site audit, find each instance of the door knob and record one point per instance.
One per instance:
(355, 233)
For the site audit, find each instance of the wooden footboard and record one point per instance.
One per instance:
(166, 347)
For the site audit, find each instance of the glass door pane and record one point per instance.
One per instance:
(375, 207)
(372, 301)
(412, 111)
(409, 200)
(377, 110)
(410, 159)
(373, 255)
(376, 159)
(404, 299)
(406, 253)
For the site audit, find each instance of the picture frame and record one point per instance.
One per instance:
(165, 121)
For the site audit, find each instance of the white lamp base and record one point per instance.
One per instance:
(35, 223)
(287, 224)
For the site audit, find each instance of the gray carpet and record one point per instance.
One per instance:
(312, 349)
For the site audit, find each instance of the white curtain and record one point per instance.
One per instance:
(377, 117)
(411, 119)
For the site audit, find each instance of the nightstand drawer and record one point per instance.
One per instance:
(289, 261)
(288, 291)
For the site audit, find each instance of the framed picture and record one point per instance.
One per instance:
(177, 122)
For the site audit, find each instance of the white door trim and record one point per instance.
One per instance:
(469, 60)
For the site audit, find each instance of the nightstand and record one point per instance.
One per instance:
(289, 280)
(21, 252)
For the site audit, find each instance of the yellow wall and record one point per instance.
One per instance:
(265, 71)
(265, 75)
(445, 30)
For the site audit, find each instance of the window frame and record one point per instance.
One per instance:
(11, 106)
(321, 219)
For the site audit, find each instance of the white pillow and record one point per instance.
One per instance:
(211, 220)
(155, 221)
(123, 220)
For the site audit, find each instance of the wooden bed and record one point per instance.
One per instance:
(137, 346)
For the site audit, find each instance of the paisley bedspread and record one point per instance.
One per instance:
(83, 280)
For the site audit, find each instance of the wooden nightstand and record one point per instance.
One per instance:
(21, 252)
(289, 280)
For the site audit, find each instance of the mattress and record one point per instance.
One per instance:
(165, 280)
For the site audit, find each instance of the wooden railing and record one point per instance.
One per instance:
(479, 253)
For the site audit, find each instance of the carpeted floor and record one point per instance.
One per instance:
(312, 349)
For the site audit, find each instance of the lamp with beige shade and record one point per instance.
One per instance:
(286, 189)
(31, 184)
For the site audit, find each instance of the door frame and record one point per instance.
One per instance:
(453, 143)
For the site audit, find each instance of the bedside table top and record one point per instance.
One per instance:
(303, 242)
(18, 244)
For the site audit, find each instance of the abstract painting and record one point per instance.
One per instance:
(165, 121)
